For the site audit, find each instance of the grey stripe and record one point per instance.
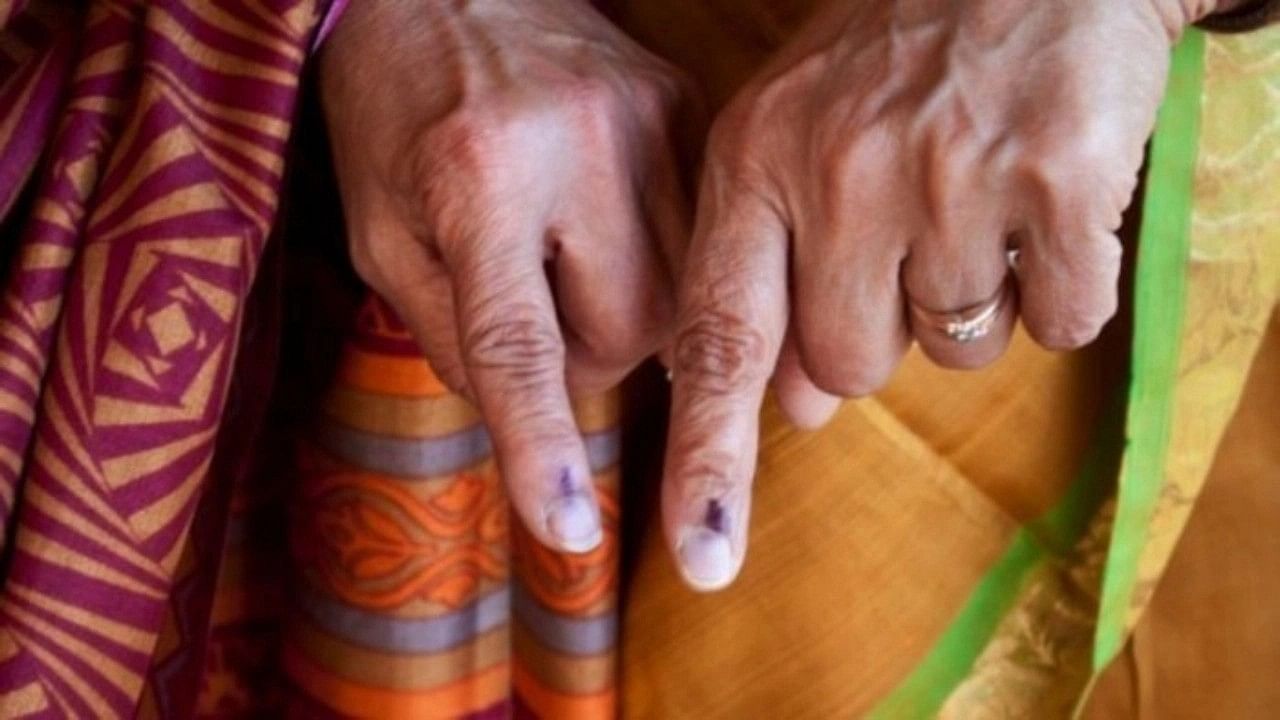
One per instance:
(407, 635)
(431, 457)
(400, 456)
(603, 449)
(572, 636)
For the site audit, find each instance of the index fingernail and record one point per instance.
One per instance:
(706, 553)
(573, 519)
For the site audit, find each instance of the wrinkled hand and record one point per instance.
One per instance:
(510, 190)
(884, 164)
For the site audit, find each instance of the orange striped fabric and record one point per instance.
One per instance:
(418, 592)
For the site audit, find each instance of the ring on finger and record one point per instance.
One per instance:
(968, 324)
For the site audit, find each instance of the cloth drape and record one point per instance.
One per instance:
(231, 487)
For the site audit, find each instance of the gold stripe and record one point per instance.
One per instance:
(598, 413)
(50, 505)
(120, 676)
(26, 700)
(399, 416)
(211, 58)
(117, 632)
(72, 678)
(23, 339)
(98, 103)
(18, 406)
(176, 550)
(254, 186)
(17, 366)
(46, 460)
(63, 705)
(55, 553)
(213, 15)
(126, 469)
(400, 671)
(569, 674)
(271, 16)
(161, 512)
(7, 483)
(186, 199)
(54, 214)
(110, 59)
(165, 148)
(269, 125)
(70, 438)
(11, 460)
(8, 648)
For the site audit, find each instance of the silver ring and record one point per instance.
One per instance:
(968, 324)
(1014, 257)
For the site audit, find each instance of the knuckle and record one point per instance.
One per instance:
(591, 92)
(704, 470)
(854, 380)
(849, 372)
(719, 353)
(656, 95)
(465, 148)
(467, 140)
(594, 101)
(1068, 332)
(853, 360)
(1085, 178)
(517, 343)
(660, 91)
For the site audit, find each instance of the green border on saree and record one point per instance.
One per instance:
(923, 692)
(1160, 293)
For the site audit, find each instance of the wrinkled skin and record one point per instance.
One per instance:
(488, 152)
(889, 157)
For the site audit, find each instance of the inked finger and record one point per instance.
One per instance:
(732, 315)
(514, 358)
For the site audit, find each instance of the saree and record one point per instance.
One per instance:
(231, 486)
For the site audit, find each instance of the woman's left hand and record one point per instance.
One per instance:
(866, 189)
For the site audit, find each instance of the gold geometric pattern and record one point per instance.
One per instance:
(122, 318)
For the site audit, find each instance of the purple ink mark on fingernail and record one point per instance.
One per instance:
(566, 482)
(714, 519)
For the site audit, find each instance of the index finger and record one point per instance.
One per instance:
(732, 316)
(514, 358)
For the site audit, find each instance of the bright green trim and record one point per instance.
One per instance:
(1160, 294)
(1159, 302)
(950, 660)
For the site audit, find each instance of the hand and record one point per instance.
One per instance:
(510, 191)
(874, 177)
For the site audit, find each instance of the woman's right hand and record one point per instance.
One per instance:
(924, 171)
(511, 191)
